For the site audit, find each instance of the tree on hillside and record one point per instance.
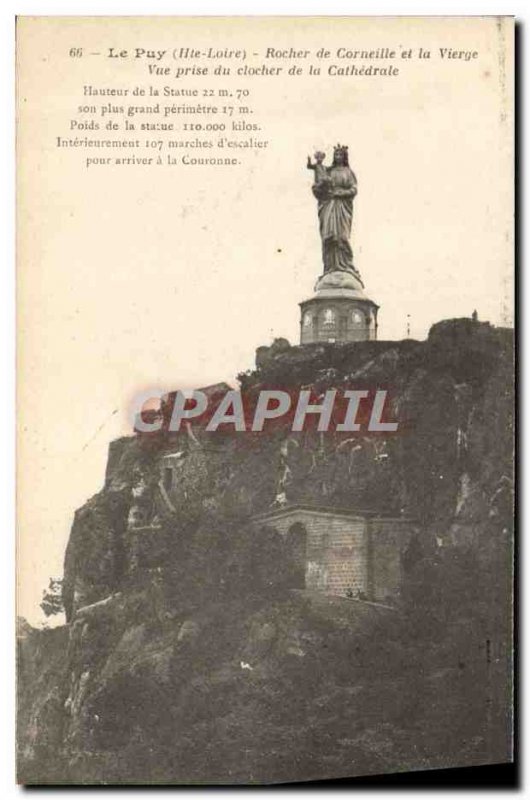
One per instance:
(52, 599)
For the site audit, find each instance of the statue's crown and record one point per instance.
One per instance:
(341, 148)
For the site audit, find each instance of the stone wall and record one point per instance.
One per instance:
(347, 551)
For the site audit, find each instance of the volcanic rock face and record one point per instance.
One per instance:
(187, 657)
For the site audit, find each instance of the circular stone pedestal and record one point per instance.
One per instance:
(339, 311)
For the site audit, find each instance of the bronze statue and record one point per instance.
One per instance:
(335, 187)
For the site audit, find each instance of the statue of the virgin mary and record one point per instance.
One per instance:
(335, 187)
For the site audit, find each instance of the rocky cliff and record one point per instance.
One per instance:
(187, 657)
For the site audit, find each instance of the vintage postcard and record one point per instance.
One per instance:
(265, 398)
